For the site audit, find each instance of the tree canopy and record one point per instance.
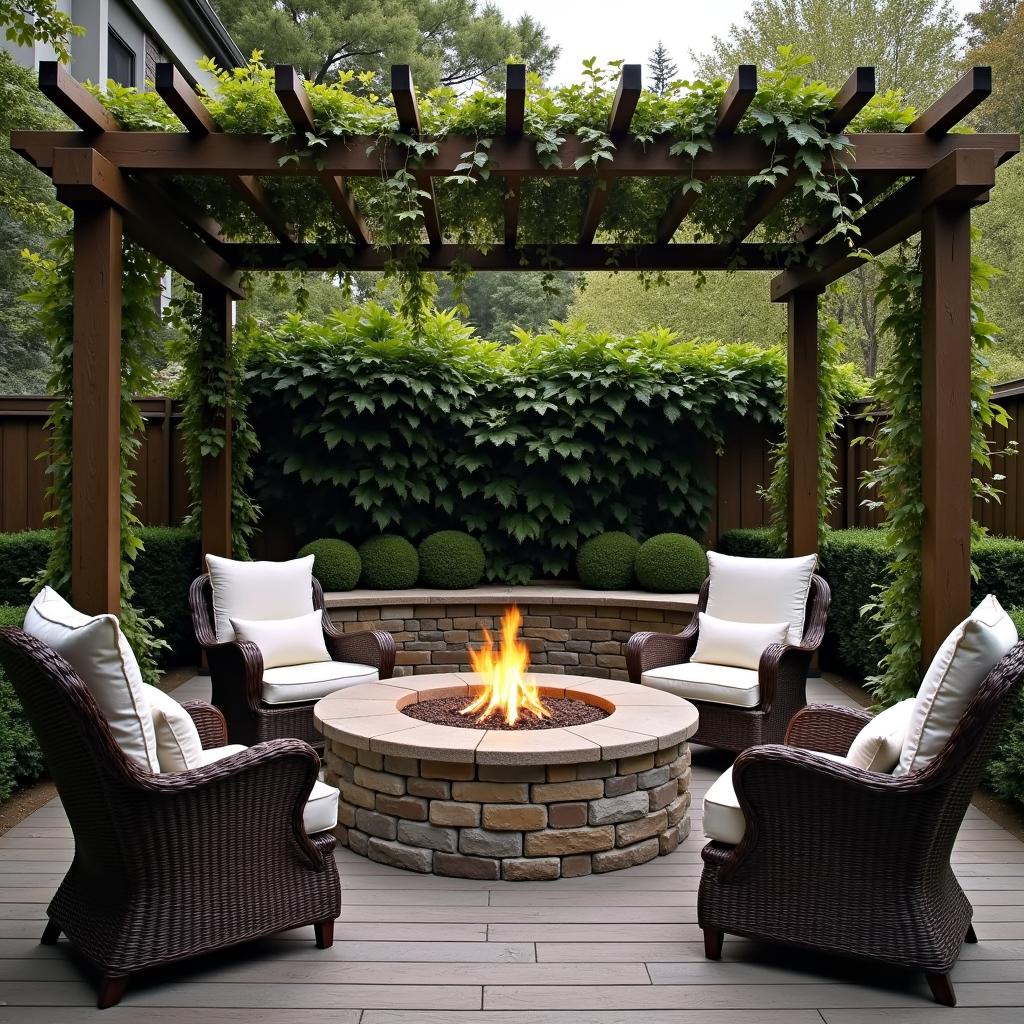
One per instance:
(447, 42)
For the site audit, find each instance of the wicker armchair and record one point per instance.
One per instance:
(236, 672)
(850, 862)
(171, 866)
(782, 676)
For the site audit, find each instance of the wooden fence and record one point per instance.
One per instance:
(739, 472)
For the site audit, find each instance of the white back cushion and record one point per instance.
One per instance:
(966, 656)
(298, 641)
(722, 642)
(179, 747)
(761, 590)
(877, 747)
(258, 590)
(96, 649)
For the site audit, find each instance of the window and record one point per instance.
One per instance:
(120, 60)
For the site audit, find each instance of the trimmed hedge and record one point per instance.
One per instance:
(389, 562)
(336, 563)
(451, 560)
(606, 562)
(671, 563)
(163, 573)
(1006, 769)
(20, 758)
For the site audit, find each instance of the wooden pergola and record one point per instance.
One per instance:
(119, 183)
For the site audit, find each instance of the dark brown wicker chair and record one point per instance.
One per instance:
(851, 862)
(782, 676)
(168, 867)
(236, 672)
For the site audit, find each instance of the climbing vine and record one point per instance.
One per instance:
(208, 386)
(141, 339)
(838, 385)
(895, 482)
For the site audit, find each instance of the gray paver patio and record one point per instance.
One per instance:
(622, 948)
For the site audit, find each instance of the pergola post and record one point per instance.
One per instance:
(215, 473)
(96, 411)
(945, 421)
(802, 422)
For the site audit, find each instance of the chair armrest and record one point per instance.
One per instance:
(826, 727)
(209, 721)
(779, 664)
(645, 651)
(367, 647)
(236, 668)
(253, 801)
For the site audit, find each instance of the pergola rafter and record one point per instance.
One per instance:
(118, 180)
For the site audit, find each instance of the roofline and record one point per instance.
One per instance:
(204, 19)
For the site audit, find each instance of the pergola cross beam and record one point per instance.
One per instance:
(404, 95)
(515, 117)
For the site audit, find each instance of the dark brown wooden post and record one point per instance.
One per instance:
(96, 419)
(802, 422)
(215, 486)
(945, 421)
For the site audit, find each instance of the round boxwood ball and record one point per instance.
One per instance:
(451, 560)
(389, 563)
(606, 562)
(335, 563)
(671, 563)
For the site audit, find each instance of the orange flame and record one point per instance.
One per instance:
(506, 688)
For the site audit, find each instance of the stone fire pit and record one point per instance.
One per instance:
(510, 804)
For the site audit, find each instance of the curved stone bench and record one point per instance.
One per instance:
(567, 629)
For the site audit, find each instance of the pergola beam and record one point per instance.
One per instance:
(404, 95)
(293, 98)
(733, 106)
(955, 104)
(515, 115)
(627, 95)
(963, 176)
(83, 176)
(61, 89)
(846, 104)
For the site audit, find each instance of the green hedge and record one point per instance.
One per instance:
(335, 563)
(163, 574)
(607, 562)
(367, 425)
(671, 563)
(451, 560)
(20, 758)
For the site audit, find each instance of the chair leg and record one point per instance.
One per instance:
(942, 988)
(51, 933)
(971, 937)
(111, 990)
(713, 938)
(324, 933)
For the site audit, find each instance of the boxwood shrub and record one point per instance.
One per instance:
(20, 758)
(451, 560)
(607, 562)
(389, 563)
(336, 563)
(671, 563)
(21, 555)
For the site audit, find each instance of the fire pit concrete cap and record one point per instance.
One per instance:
(642, 720)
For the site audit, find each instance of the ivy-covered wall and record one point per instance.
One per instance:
(367, 425)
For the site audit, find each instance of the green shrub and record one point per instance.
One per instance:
(335, 563)
(606, 562)
(20, 758)
(164, 570)
(21, 555)
(389, 563)
(1005, 772)
(451, 560)
(749, 542)
(671, 563)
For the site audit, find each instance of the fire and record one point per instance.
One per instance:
(506, 688)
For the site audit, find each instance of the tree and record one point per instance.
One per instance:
(1004, 51)
(990, 20)
(447, 42)
(912, 43)
(29, 21)
(663, 69)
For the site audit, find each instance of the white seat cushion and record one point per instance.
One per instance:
(761, 590)
(717, 684)
(290, 684)
(258, 590)
(97, 650)
(321, 810)
(723, 818)
(741, 644)
(960, 665)
(877, 747)
(296, 641)
(179, 747)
